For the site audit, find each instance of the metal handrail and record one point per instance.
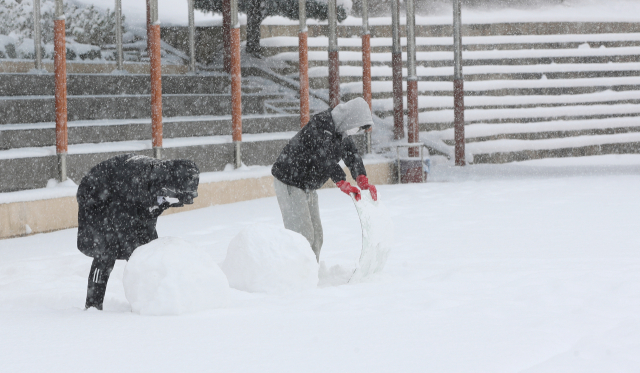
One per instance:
(420, 146)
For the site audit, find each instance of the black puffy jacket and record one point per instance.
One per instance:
(312, 155)
(118, 202)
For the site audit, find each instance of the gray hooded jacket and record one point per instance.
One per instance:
(351, 115)
(312, 155)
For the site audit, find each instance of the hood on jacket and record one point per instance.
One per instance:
(351, 116)
(177, 178)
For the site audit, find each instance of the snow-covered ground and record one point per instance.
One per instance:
(534, 272)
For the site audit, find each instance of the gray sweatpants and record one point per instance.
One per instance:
(300, 213)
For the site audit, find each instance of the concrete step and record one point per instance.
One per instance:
(209, 153)
(283, 106)
(33, 109)
(380, 28)
(383, 89)
(473, 58)
(80, 67)
(507, 92)
(32, 167)
(100, 131)
(504, 151)
(550, 134)
(554, 129)
(322, 82)
(384, 107)
(421, 62)
(271, 51)
(275, 45)
(509, 142)
(441, 119)
(384, 72)
(109, 84)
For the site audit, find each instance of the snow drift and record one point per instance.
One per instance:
(270, 259)
(170, 276)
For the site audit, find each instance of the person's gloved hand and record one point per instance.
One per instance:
(163, 203)
(348, 188)
(167, 201)
(363, 183)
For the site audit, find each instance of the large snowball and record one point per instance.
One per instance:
(170, 276)
(270, 259)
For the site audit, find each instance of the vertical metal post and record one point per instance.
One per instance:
(119, 55)
(366, 66)
(192, 39)
(156, 81)
(236, 80)
(149, 26)
(37, 34)
(366, 54)
(303, 63)
(334, 62)
(458, 87)
(60, 68)
(226, 36)
(396, 67)
(412, 80)
(399, 164)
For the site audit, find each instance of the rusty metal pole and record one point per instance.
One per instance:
(236, 80)
(156, 82)
(192, 38)
(458, 87)
(119, 54)
(60, 68)
(226, 36)
(396, 67)
(303, 63)
(413, 133)
(334, 62)
(366, 66)
(37, 35)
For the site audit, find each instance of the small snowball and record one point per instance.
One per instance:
(170, 276)
(270, 259)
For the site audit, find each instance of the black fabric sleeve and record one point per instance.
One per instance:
(337, 174)
(352, 159)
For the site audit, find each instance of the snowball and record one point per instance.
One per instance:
(170, 276)
(270, 259)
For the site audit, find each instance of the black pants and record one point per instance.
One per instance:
(98, 276)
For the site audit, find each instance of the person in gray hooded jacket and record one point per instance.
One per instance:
(311, 158)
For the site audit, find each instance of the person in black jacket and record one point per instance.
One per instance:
(311, 158)
(119, 202)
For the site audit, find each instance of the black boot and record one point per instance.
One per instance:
(98, 276)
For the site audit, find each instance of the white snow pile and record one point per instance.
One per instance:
(170, 276)
(270, 259)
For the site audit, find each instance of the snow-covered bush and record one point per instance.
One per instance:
(84, 25)
(90, 25)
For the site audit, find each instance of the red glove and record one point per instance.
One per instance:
(348, 188)
(363, 183)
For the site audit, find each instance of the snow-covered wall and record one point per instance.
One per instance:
(55, 207)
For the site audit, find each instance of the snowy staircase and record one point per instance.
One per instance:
(110, 114)
(554, 92)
